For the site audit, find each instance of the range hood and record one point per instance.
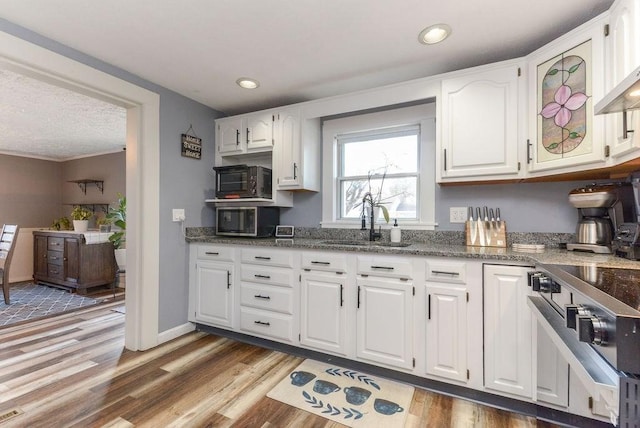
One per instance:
(619, 99)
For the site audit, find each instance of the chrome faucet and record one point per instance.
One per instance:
(373, 235)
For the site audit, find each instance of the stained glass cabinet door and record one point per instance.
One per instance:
(566, 79)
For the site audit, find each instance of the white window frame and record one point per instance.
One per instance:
(423, 115)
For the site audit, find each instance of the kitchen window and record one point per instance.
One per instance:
(394, 149)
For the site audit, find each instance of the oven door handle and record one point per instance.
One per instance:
(592, 370)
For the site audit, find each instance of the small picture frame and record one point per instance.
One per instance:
(284, 231)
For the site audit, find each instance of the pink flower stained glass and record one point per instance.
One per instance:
(564, 97)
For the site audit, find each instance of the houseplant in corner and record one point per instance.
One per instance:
(80, 216)
(118, 217)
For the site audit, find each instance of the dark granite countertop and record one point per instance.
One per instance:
(548, 256)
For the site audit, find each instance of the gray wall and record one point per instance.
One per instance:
(30, 191)
(530, 207)
(110, 168)
(182, 181)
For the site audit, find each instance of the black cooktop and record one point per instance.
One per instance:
(621, 284)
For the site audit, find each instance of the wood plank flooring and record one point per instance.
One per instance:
(73, 371)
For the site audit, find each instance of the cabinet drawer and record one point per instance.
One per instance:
(55, 271)
(266, 256)
(209, 252)
(445, 271)
(55, 257)
(385, 266)
(267, 275)
(270, 324)
(267, 297)
(55, 244)
(334, 262)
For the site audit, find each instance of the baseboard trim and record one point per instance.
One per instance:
(175, 332)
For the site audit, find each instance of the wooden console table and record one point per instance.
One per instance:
(65, 260)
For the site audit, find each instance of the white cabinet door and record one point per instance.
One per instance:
(624, 57)
(289, 149)
(297, 151)
(480, 123)
(507, 330)
(258, 129)
(384, 321)
(214, 295)
(323, 313)
(553, 372)
(446, 333)
(237, 135)
(566, 78)
(228, 135)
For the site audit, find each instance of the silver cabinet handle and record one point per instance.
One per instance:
(262, 323)
(212, 253)
(262, 258)
(382, 267)
(262, 276)
(443, 272)
(313, 262)
(260, 296)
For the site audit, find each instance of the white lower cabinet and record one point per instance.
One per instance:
(323, 314)
(508, 342)
(268, 298)
(384, 332)
(446, 332)
(214, 294)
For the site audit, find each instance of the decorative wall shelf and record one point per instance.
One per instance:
(92, 207)
(83, 184)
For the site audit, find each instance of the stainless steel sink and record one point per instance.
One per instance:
(364, 243)
(391, 244)
(344, 242)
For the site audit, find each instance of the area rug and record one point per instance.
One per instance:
(30, 301)
(346, 396)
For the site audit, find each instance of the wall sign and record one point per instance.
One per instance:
(191, 146)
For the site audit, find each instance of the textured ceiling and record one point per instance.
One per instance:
(48, 122)
(299, 50)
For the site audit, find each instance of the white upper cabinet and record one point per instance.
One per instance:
(480, 111)
(623, 57)
(245, 134)
(566, 78)
(296, 155)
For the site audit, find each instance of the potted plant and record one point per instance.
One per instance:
(63, 223)
(118, 217)
(80, 216)
(104, 224)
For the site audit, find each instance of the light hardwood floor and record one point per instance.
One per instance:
(73, 370)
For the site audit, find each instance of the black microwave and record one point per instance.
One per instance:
(257, 222)
(243, 181)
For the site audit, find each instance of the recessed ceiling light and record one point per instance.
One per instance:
(634, 93)
(247, 83)
(434, 34)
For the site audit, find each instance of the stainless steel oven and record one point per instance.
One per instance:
(592, 315)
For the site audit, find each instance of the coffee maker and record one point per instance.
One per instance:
(626, 242)
(602, 209)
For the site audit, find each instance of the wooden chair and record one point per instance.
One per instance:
(7, 244)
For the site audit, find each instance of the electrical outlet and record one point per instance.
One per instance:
(178, 214)
(457, 214)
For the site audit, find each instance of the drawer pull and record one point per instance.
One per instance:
(54, 258)
(260, 296)
(443, 272)
(262, 258)
(262, 323)
(383, 267)
(262, 276)
(313, 262)
(212, 253)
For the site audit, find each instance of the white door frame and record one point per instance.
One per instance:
(142, 169)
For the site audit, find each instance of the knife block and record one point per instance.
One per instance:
(481, 233)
